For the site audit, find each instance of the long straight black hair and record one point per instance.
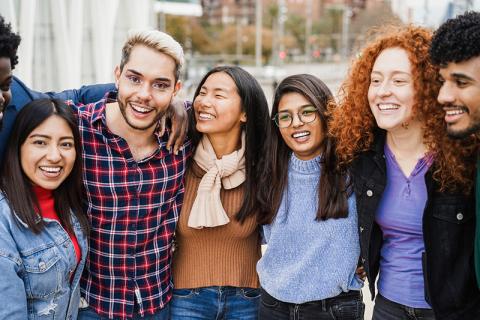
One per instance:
(255, 106)
(16, 186)
(332, 187)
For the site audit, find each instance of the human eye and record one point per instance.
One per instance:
(461, 83)
(134, 79)
(399, 81)
(308, 111)
(67, 144)
(160, 85)
(39, 142)
(284, 116)
(375, 80)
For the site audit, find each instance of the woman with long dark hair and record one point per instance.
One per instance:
(308, 270)
(43, 229)
(217, 237)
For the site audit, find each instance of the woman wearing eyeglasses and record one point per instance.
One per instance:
(308, 268)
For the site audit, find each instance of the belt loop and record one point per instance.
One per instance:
(324, 305)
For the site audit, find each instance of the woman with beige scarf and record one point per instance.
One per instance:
(218, 243)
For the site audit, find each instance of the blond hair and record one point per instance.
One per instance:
(157, 40)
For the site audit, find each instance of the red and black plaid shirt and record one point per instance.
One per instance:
(133, 208)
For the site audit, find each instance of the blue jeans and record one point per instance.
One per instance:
(89, 314)
(215, 303)
(345, 306)
(385, 309)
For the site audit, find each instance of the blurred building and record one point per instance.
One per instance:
(224, 12)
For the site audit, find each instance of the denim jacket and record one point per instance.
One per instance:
(39, 276)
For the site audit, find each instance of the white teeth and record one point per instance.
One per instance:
(205, 116)
(389, 106)
(454, 112)
(300, 134)
(51, 169)
(140, 109)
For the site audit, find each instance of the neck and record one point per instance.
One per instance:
(225, 144)
(407, 143)
(117, 124)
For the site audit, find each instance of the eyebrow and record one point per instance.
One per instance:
(299, 108)
(217, 89)
(394, 72)
(156, 79)
(48, 137)
(462, 76)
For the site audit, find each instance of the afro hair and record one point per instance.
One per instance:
(457, 40)
(9, 42)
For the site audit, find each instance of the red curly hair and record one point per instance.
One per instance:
(353, 124)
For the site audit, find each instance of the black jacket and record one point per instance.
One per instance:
(448, 233)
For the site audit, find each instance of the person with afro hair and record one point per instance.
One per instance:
(455, 49)
(9, 42)
(14, 94)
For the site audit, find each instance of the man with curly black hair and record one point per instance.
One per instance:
(9, 42)
(455, 49)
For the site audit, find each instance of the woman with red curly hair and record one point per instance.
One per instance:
(413, 184)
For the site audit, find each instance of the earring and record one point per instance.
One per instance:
(405, 125)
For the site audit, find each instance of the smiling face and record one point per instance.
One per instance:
(48, 154)
(5, 82)
(218, 107)
(146, 85)
(304, 139)
(391, 93)
(460, 96)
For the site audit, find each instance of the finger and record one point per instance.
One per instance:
(181, 138)
(173, 137)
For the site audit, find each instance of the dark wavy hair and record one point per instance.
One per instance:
(332, 187)
(353, 123)
(457, 40)
(255, 106)
(16, 186)
(9, 42)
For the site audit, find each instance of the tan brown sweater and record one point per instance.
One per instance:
(222, 256)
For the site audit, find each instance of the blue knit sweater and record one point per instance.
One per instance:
(308, 260)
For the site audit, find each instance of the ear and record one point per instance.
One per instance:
(177, 88)
(243, 117)
(117, 72)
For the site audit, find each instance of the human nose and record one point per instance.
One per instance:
(204, 101)
(296, 121)
(145, 91)
(53, 154)
(445, 95)
(384, 89)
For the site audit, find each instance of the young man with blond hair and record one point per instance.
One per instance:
(133, 184)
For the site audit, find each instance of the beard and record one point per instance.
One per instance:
(461, 134)
(123, 111)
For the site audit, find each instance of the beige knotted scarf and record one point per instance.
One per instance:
(229, 172)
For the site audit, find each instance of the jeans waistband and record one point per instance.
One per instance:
(349, 295)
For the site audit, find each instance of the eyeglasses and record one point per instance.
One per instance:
(284, 119)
